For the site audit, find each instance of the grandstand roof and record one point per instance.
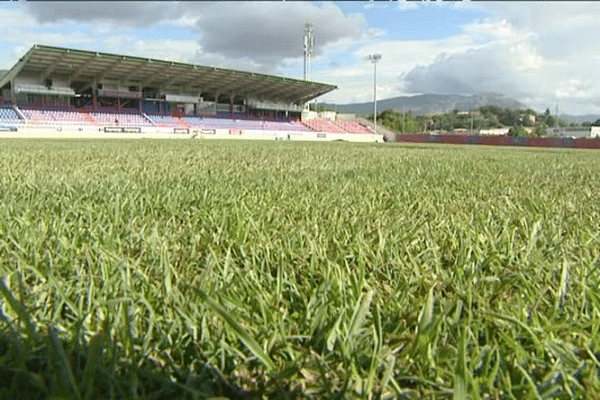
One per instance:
(86, 66)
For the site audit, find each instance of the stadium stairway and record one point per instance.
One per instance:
(19, 113)
(322, 125)
(147, 118)
(163, 121)
(353, 127)
(85, 114)
(391, 135)
(181, 122)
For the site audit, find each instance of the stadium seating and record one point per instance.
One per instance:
(286, 126)
(218, 123)
(52, 117)
(9, 116)
(105, 118)
(165, 121)
(322, 125)
(353, 127)
(245, 124)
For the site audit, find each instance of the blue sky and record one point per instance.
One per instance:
(401, 23)
(539, 53)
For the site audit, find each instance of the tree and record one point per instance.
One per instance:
(517, 131)
(539, 131)
(405, 122)
(491, 109)
(530, 117)
(547, 113)
(509, 117)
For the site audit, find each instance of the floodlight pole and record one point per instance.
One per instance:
(309, 45)
(374, 59)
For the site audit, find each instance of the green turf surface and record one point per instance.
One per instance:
(198, 269)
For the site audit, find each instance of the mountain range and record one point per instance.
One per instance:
(580, 118)
(427, 104)
(430, 104)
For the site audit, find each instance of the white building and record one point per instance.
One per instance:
(575, 132)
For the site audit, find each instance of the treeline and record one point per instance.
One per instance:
(522, 122)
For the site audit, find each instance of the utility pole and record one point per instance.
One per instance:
(472, 106)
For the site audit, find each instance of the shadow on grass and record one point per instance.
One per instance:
(46, 364)
(47, 367)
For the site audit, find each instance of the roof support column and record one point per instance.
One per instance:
(217, 94)
(197, 105)
(13, 93)
(95, 95)
(231, 98)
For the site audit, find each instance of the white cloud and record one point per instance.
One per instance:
(236, 31)
(536, 53)
(121, 13)
(398, 57)
(536, 59)
(20, 32)
(268, 34)
(167, 49)
(577, 89)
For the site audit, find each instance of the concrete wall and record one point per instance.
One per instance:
(308, 115)
(88, 132)
(328, 115)
(580, 143)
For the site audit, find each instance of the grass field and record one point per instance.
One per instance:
(193, 269)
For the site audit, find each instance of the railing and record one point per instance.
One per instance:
(41, 89)
(123, 94)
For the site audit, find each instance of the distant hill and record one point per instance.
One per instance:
(430, 104)
(576, 118)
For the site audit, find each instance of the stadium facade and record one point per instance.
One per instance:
(60, 77)
(56, 87)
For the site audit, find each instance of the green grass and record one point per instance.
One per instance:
(207, 269)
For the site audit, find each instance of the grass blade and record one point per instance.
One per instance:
(240, 332)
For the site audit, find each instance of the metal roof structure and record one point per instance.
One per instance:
(84, 67)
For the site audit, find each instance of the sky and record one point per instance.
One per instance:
(540, 53)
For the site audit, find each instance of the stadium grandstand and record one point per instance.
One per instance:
(53, 89)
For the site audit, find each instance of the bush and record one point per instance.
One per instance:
(517, 131)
